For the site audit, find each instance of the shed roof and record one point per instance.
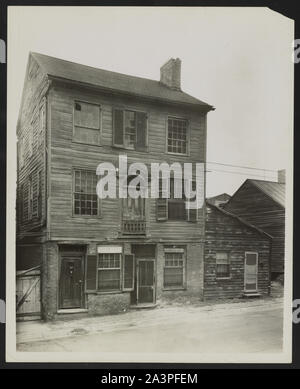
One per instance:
(62, 69)
(274, 190)
(238, 218)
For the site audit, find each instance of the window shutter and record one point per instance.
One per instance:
(128, 272)
(141, 141)
(118, 127)
(192, 214)
(91, 273)
(161, 205)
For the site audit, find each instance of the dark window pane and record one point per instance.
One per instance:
(176, 210)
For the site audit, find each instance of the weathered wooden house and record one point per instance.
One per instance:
(262, 203)
(102, 256)
(237, 256)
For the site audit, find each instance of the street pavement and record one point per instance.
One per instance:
(246, 327)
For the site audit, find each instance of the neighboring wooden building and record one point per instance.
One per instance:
(262, 203)
(237, 256)
(219, 200)
(103, 256)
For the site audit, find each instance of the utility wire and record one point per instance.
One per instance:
(240, 173)
(242, 167)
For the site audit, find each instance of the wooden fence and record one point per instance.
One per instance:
(28, 294)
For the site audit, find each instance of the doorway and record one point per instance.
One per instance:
(251, 259)
(71, 281)
(145, 275)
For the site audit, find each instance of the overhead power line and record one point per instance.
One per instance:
(240, 173)
(242, 167)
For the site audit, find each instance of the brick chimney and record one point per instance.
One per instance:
(170, 74)
(281, 176)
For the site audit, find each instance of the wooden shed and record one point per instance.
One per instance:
(237, 256)
(262, 203)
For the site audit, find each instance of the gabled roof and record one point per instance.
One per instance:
(274, 190)
(223, 196)
(112, 81)
(239, 219)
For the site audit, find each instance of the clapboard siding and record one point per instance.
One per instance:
(227, 234)
(258, 209)
(66, 155)
(31, 134)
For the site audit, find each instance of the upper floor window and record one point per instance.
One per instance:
(130, 129)
(170, 207)
(85, 199)
(86, 123)
(176, 206)
(177, 136)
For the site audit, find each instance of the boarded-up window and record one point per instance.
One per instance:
(85, 199)
(128, 272)
(222, 265)
(130, 129)
(86, 123)
(109, 272)
(91, 273)
(174, 268)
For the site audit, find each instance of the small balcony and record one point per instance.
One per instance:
(134, 227)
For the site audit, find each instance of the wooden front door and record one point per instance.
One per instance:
(251, 272)
(71, 282)
(145, 281)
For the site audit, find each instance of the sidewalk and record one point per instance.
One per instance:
(38, 331)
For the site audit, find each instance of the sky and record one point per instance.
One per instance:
(237, 59)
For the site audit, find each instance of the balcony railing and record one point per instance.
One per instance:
(134, 227)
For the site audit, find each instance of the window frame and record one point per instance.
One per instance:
(91, 102)
(178, 249)
(124, 109)
(229, 265)
(187, 153)
(120, 268)
(99, 213)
